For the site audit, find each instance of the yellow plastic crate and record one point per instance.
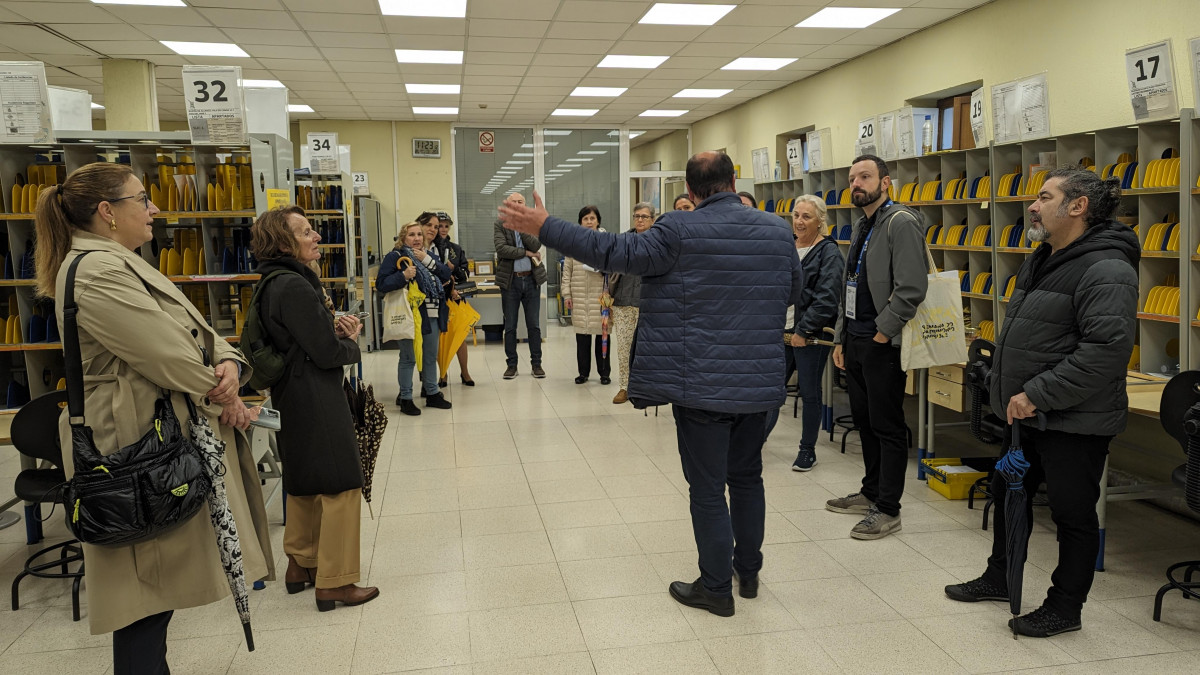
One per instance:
(953, 484)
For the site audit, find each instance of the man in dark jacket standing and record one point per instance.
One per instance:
(886, 280)
(708, 344)
(1063, 352)
(520, 275)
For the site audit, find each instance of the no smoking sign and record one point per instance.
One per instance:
(487, 141)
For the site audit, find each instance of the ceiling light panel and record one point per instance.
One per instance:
(750, 63)
(847, 17)
(424, 110)
(148, 3)
(680, 14)
(205, 48)
(575, 112)
(556, 132)
(455, 9)
(432, 88)
(593, 152)
(663, 113)
(605, 92)
(631, 61)
(702, 93)
(429, 56)
(299, 108)
(264, 84)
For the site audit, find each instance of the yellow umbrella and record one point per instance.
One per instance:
(462, 317)
(415, 298)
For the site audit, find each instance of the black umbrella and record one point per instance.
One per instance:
(1012, 467)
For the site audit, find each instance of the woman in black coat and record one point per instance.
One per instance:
(322, 474)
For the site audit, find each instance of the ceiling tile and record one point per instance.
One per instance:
(875, 36)
(61, 12)
(409, 70)
(588, 10)
(490, 81)
(506, 9)
(129, 47)
(570, 30)
(811, 36)
(916, 17)
(498, 44)
(159, 16)
(555, 46)
(640, 47)
(409, 41)
(781, 51)
(88, 31)
(723, 49)
(744, 34)
(351, 40)
(841, 51)
(282, 38)
(566, 60)
(340, 23)
(482, 69)
(424, 25)
(769, 16)
(31, 40)
(312, 65)
(344, 54)
(489, 89)
(653, 34)
(502, 58)
(557, 71)
(366, 67)
(278, 52)
(507, 28)
(250, 18)
(343, 6)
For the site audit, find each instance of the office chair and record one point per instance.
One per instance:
(1179, 414)
(35, 434)
(985, 426)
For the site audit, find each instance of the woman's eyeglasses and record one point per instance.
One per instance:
(142, 197)
(642, 217)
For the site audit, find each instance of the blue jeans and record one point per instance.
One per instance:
(522, 293)
(429, 366)
(717, 449)
(810, 365)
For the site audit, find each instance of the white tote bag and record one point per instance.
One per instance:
(397, 316)
(936, 336)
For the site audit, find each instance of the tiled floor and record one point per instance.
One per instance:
(534, 529)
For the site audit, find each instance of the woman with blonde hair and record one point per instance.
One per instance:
(140, 336)
(322, 473)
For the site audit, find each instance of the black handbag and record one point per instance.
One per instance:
(139, 491)
(467, 289)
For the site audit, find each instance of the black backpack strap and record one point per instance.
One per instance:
(72, 356)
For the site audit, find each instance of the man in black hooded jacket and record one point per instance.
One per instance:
(1063, 352)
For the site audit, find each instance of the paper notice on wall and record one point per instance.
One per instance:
(1006, 112)
(761, 159)
(1035, 107)
(216, 109)
(906, 139)
(978, 131)
(24, 103)
(814, 151)
(865, 142)
(886, 136)
(1151, 74)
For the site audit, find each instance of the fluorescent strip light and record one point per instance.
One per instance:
(702, 93)
(456, 9)
(299, 108)
(566, 166)
(97, 106)
(556, 132)
(581, 159)
(635, 134)
(264, 84)
(605, 144)
(599, 91)
(204, 48)
(677, 14)
(148, 3)
(559, 171)
(548, 144)
(593, 152)
(424, 110)
(629, 61)
(519, 162)
(432, 88)
(751, 63)
(575, 112)
(847, 17)
(428, 56)
(664, 113)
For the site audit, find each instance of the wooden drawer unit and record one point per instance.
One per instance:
(953, 373)
(945, 393)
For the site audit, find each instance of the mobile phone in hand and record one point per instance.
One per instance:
(268, 418)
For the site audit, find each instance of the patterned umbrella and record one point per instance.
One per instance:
(370, 421)
(228, 543)
(606, 303)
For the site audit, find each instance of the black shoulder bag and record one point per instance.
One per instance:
(139, 491)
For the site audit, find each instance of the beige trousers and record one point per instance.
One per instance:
(322, 531)
(624, 327)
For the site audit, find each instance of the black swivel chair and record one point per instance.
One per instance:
(35, 434)
(985, 426)
(1179, 414)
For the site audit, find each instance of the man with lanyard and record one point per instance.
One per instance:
(886, 279)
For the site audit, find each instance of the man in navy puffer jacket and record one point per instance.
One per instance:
(716, 285)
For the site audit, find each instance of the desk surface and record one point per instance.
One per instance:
(1145, 394)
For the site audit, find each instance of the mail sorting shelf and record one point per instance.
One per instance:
(329, 205)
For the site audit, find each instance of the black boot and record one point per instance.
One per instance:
(696, 595)
(437, 401)
(408, 408)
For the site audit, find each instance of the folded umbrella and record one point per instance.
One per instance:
(370, 421)
(462, 317)
(228, 544)
(1012, 467)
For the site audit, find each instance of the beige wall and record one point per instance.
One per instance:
(671, 150)
(425, 184)
(1081, 43)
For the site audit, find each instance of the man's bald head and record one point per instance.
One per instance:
(709, 173)
(516, 198)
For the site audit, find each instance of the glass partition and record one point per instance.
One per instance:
(484, 179)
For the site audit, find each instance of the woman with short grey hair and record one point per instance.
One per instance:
(626, 291)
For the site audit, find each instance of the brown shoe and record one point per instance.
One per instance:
(621, 397)
(349, 595)
(297, 577)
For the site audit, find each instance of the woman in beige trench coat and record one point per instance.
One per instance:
(582, 287)
(139, 334)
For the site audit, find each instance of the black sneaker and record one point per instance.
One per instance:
(538, 372)
(408, 408)
(805, 460)
(437, 400)
(747, 586)
(1043, 623)
(976, 590)
(696, 595)
(510, 373)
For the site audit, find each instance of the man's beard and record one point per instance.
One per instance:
(1036, 232)
(860, 200)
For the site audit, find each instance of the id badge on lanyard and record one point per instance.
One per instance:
(852, 283)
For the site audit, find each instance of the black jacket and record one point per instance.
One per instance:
(1069, 332)
(391, 278)
(507, 252)
(821, 298)
(316, 437)
(451, 253)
